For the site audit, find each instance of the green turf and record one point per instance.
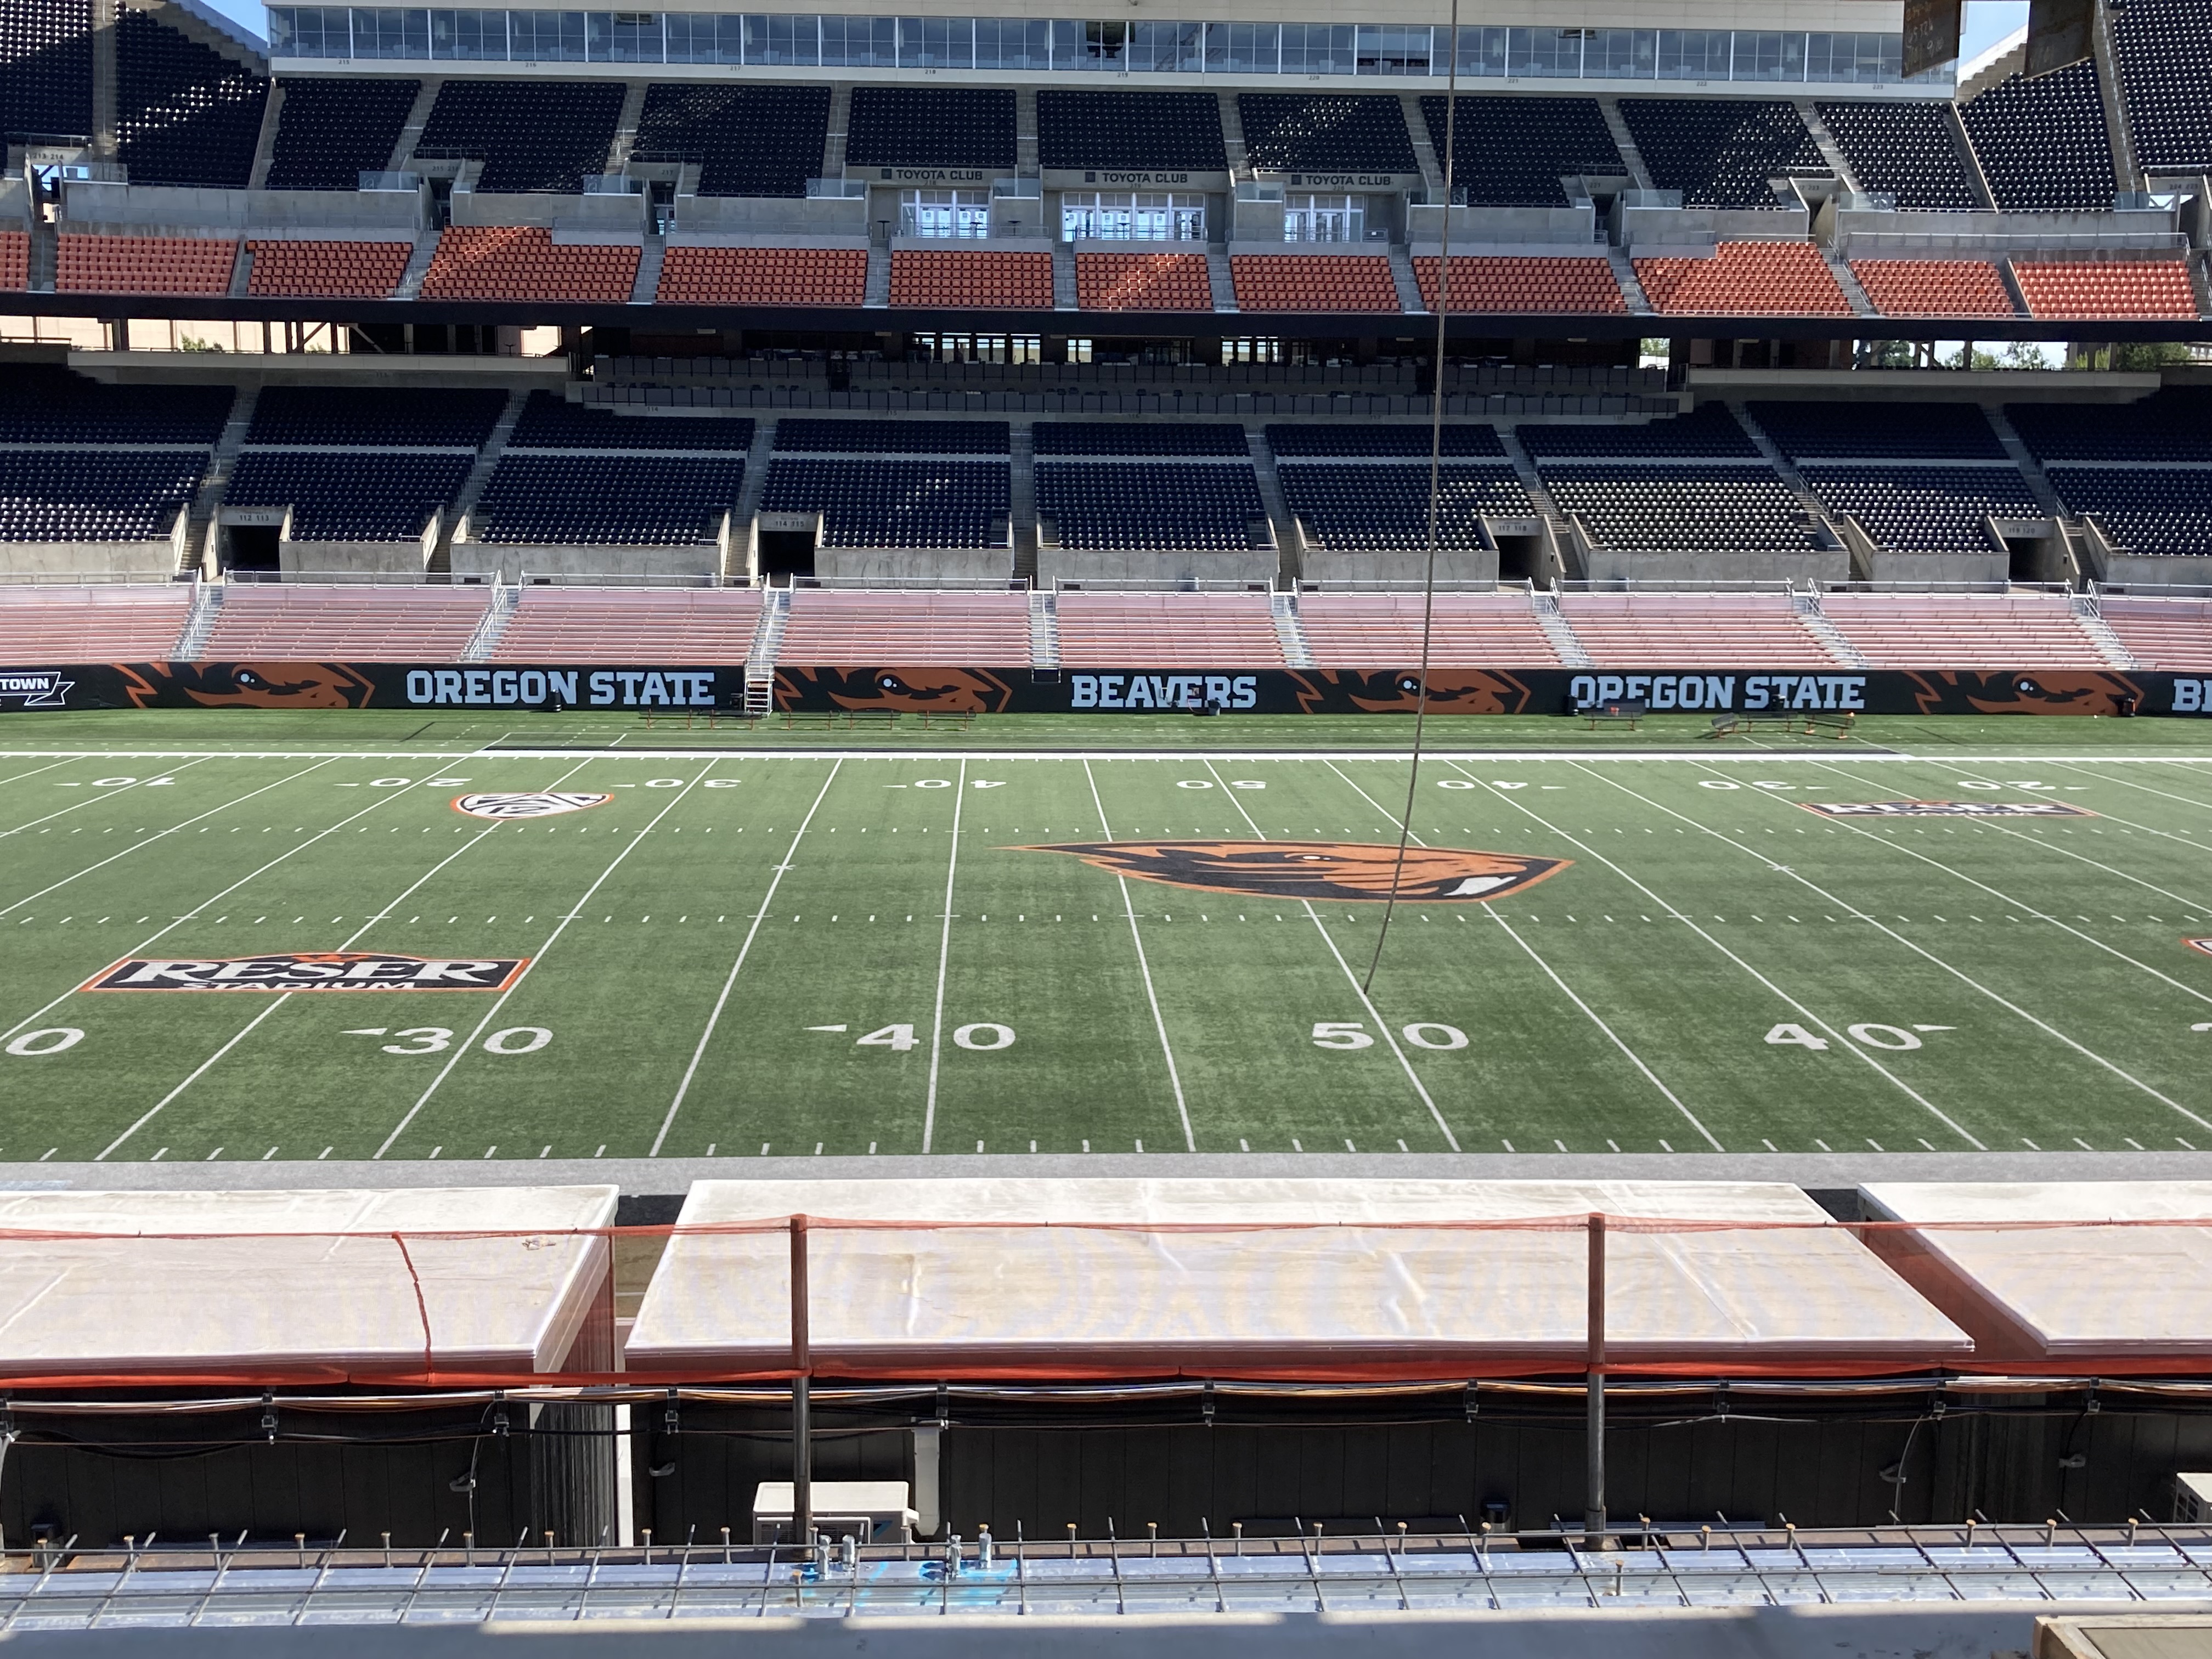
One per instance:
(1623, 1003)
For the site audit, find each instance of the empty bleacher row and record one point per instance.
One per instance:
(895, 483)
(1916, 477)
(1127, 486)
(84, 462)
(1367, 488)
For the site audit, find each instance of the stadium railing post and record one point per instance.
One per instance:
(1594, 1383)
(802, 1459)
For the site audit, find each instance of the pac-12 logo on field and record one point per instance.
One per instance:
(1946, 809)
(1325, 870)
(539, 803)
(310, 970)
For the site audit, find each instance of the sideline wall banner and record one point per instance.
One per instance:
(646, 688)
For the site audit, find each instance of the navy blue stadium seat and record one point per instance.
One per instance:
(1904, 150)
(885, 501)
(748, 141)
(367, 495)
(40, 405)
(608, 501)
(1291, 442)
(801, 437)
(94, 496)
(531, 136)
(1137, 438)
(1133, 130)
(1512, 152)
(329, 131)
(1721, 152)
(1325, 132)
(2042, 142)
(289, 416)
(551, 421)
(186, 115)
(931, 127)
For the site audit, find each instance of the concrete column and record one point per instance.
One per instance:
(103, 79)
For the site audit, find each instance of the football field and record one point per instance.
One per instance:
(514, 953)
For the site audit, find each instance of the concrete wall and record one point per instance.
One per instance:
(138, 561)
(1457, 564)
(1687, 230)
(1059, 564)
(151, 208)
(480, 559)
(628, 216)
(1553, 228)
(918, 567)
(1982, 565)
(1608, 564)
(2157, 568)
(775, 216)
(305, 561)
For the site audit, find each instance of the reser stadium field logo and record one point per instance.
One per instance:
(2202, 946)
(541, 803)
(310, 970)
(1330, 870)
(1946, 809)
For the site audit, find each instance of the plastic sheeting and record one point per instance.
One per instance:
(2031, 1289)
(97, 1284)
(1316, 1278)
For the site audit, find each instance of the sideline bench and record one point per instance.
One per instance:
(1616, 709)
(1808, 724)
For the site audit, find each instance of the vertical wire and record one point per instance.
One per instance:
(1435, 467)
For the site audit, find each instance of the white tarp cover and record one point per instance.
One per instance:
(1359, 1287)
(276, 1288)
(2075, 1290)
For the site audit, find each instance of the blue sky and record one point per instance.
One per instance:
(1987, 21)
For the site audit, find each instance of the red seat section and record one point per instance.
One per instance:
(280, 621)
(560, 625)
(14, 259)
(891, 630)
(142, 264)
(480, 262)
(1313, 281)
(1699, 630)
(351, 271)
(2106, 288)
(1934, 287)
(1005, 281)
(1167, 630)
(1963, 630)
(2174, 635)
(1539, 285)
(1383, 630)
(42, 626)
(1142, 281)
(763, 276)
(1750, 279)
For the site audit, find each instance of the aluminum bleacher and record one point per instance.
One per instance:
(1963, 630)
(2174, 635)
(1167, 630)
(301, 622)
(562, 624)
(1468, 631)
(93, 623)
(1699, 630)
(908, 629)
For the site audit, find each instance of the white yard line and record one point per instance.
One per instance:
(1963, 978)
(1366, 1002)
(2130, 783)
(543, 950)
(1136, 938)
(943, 956)
(19, 776)
(1512, 932)
(90, 800)
(743, 951)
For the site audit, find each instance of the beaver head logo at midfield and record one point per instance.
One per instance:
(1398, 691)
(1330, 870)
(250, 685)
(2038, 691)
(909, 690)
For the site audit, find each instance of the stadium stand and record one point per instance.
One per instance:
(1752, 279)
(1139, 438)
(94, 496)
(1963, 630)
(2171, 634)
(693, 275)
(186, 115)
(44, 405)
(1632, 491)
(302, 622)
(359, 464)
(1467, 630)
(1293, 443)
(1143, 281)
(1134, 130)
(606, 500)
(1367, 487)
(1934, 287)
(352, 270)
(631, 624)
(1694, 630)
(1922, 509)
(895, 483)
(1903, 432)
(932, 127)
(524, 263)
(142, 264)
(15, 260)
(1513, 152)
(1565, 286)
(95, 624)
(1184, 486)
(2174, 425)
(2141, 469)
(1904, 150)
(1722, 152)
(1324, 133)
(45, 68)
(1709, 434)
(979, 281)
(2042, 142)
(331, 131)
(748, 141)
(807, 437)
(2163, 47)
(1313, 281)
(551, 421)
(2141, 509)
(362, 417)
(909, 629)
(531, 136)
(2106, 288)
(1167, 630)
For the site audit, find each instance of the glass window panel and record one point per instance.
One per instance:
(1693, 54)
(1620, 54)
(1067, 44)
(1392, 49)
(1012, 43)
(623, 37)
(782, 39)
(948, 213)
(1104, 46)
(1546, 53)
(475, 36)
(1243, 48)
(1319, 49)
(1481, 52)
(388, 31)
(1759, 55)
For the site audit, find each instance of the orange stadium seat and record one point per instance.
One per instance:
(1934, 287)
(2106, 288)
(1746, 279)
(1313, 281)
(763, 276)
(481, 262)
(1142, 281)
(1541, 284)
(142, 264)
(14, 259)
(927, 277)
(352, 270)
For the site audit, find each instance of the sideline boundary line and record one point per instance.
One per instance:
(732, 752)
